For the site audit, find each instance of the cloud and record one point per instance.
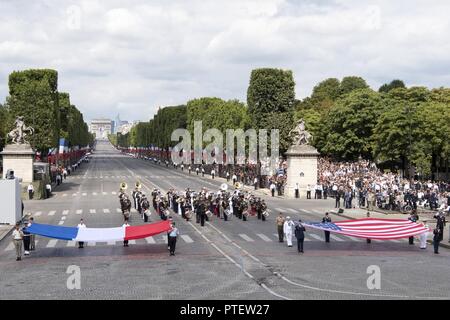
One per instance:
(133, 58)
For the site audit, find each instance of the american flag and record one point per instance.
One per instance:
(372, 228)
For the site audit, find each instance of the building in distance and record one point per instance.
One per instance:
(101, 128)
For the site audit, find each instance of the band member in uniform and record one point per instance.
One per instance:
(436, 240)
(145, 206)
(263, 208)
(326, 219)
(201, 211)
(196, 170)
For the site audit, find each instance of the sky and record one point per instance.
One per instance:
(131, 57)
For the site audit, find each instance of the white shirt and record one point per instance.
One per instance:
(272, 186)
(174, 232)
(296, 186)
(17, 235)
(30, 187)
(287, 226)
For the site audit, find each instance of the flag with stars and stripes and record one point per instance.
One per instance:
(372, 228)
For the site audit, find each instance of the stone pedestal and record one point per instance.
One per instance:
(301, 168)
(19, 157)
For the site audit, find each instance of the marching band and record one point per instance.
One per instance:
(204, 204)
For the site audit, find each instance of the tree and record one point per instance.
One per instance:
(348, 84)
(392, 85)
(270, 91)
(33, 95)
(3, 125)
(347, 128)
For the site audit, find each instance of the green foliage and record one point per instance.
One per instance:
(270, 91)
(284, 122)
(3, 125)
(347, 128)
(34, 96)
(348, 84)
(392, 85)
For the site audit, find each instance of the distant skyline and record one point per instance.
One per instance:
(132, 58)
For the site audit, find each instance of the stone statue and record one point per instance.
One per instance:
(299, 134)
(18, 134)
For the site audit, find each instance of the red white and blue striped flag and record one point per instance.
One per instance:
(372, 228)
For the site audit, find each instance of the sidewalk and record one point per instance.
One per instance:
(359, 213)
(5, 229)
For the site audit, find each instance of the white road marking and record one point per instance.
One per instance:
(114, 192)
(246, 237)
(104, 193)
(65, 195)
(61, 222)
(317, 211)
(84, 194)
(186, 238)
(63, 218)
(280, 209)
(132, 241)
(150, 240)
(37, 214)
(315, 236)
(118, 210)
(74, 194)
(65, 212)
(303, 210)
(164, 238)
(94, 193)
(92, 211)
(111, 243)
(79, 211)
(52, 213)
(52, 243)
(10, 247)
(264, 237)
(71, 243)
(336, 238)
(293, 211)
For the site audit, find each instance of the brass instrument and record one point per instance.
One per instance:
(123, 186)
(138, 185)
(224, 187)
(238, 185)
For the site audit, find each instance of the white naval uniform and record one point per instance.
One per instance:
(287, 229)
(423, 239)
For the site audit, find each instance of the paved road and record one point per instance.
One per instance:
(223, 260)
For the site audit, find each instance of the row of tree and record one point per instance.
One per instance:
(33, 94)
(396, 126)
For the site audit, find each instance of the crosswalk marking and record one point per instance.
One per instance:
(280, 209)
(52, 213)
(79, 211)
(264, 237)
(63, 218)
(113, 192)
(150, 240)
(84, 194)
(61, 223)
(74, 194)
(106, 211)
(52, 243)
(65, 195)
(92, 211)
(37, 214)
(111, 243)
(94, 193)
(71, 243)
(336, 238)
(104, 193)
(293, 211)
(65, 212)
(10, 247)
(246, 237)
(132, 241)
(186, 238)
(303, 210)
(164, 238)
(317, 211)
(118, 210)
(315, 236)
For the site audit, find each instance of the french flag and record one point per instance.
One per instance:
(99, 234)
